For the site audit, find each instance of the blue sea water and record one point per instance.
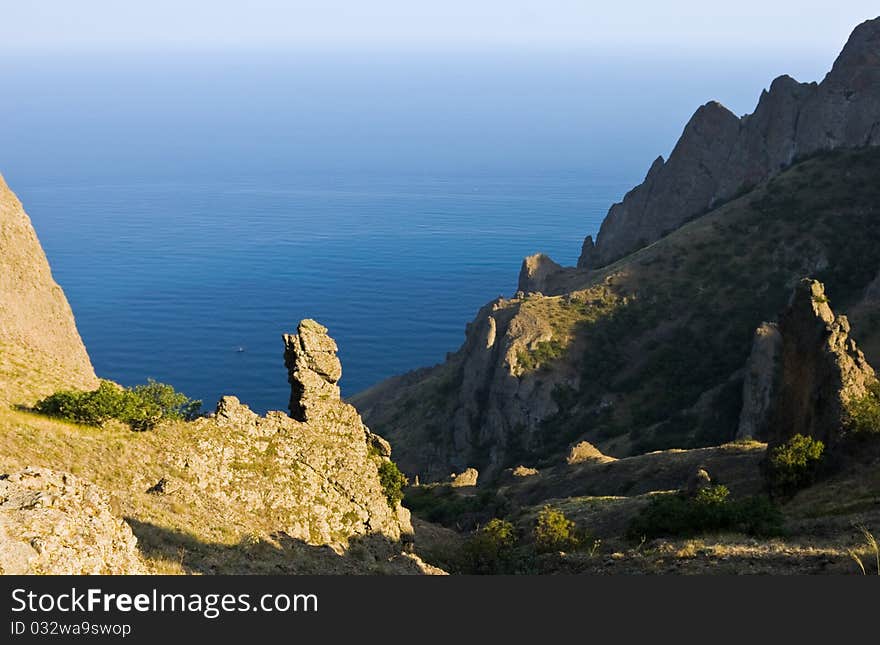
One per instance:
(195, 207)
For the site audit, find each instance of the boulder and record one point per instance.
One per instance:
(698, 480)
(57, 524)
(584, 451)
(465, 478)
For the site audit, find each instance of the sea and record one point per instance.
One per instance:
(196, 206)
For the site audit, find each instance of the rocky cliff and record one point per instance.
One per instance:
(650, 352)
(40, 348)
(816, 372)
(720, 155)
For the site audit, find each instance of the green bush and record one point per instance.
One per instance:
(544, 352)
(490, 549)
(555, 532)
(392, 481)
(793, 464)
(163, 397)
(864, 413)
(710, 510)
(141, 407)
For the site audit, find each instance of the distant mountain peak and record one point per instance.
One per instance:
(719, 155)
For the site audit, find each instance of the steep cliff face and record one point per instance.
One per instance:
(719, 155)
(40, 348)
(486, 403)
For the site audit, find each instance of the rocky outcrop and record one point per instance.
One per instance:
(317, 481)
(698, 480)
(584, 451)
(468, 477)
(760, 382)
(316, 477)
(534, 273)
(720, 155)
(313, 369)
(821, 369)
(489, 403)
(40, 348)
(586, 260)
(55, 523)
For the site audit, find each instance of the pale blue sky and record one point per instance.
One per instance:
(808, 26)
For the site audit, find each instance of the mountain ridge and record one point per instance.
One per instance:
(720, 155)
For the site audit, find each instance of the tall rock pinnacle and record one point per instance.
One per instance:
(313, 368)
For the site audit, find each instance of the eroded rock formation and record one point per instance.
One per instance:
(55, 523)
(313, 368)
(466, 478)
(720, 155)
(314, 477)
(584, 451)
(534, 272)
(820, 369)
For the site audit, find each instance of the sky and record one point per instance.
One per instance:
(815, 26)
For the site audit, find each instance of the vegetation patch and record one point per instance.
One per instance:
(555, 532)
(442, 504)
(491, 549)
(794, 464)
(393, 482)
(710, 510)
(544, 352)
(141, 407)
(864, 413)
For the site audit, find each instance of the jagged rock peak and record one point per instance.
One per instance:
(822, 369)
(535, 271)
(585, 261)
(861, 52)
(719, 155)
(312, 366)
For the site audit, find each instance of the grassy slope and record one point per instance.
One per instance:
(821, 523)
